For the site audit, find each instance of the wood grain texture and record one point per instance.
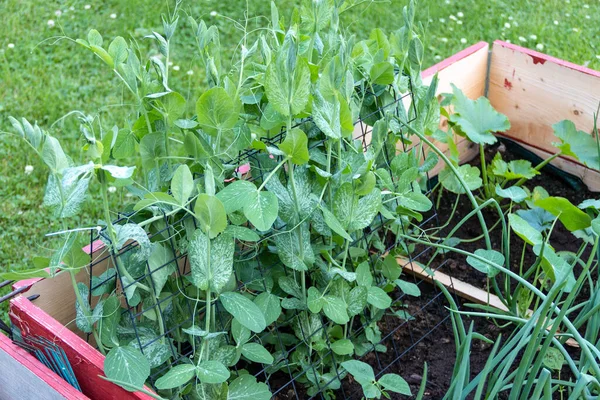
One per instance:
(24, 377)
(87, 362)
(535, 91)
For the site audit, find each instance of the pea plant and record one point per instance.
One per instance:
(262, 222)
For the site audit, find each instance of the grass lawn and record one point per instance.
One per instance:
(42, 78)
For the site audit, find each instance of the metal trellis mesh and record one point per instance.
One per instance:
(162, 337)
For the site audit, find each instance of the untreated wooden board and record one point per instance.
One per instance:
(535, 91)
(22, 376)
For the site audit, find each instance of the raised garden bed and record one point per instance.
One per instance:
(532, 89)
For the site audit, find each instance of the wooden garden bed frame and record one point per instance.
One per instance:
(534, 90)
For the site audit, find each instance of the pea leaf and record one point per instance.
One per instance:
(333, 223)
(182, 184)
(128, 365)
(395, 383)
(408, 287)
(572, 217)
(477, 118)
(514, 193)
(314, 300)
(213, 372)
(236, 195)
(335, 309)
(491, 255)
(216, 111)
(211, 261)
(362, 372)
(211, 214)
(328, 115)
(257, 353)
(245, 311)
(288, 91)
(261, 210)
(269, 305)
(357, 301)
(295, 146)
(343, 347)
(160, 270)
(382, 73)
(467, 172)
(247, 388)
(363, 274)
(176, 376)
(378, 298)
(577, 144)
(242, 233)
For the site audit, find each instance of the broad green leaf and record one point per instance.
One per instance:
(211, 261)
(578, 144)
(477, 118)
(182, 184)
(354, 213)
(556, 267)
(572, 217)
(270, 306)
(490, 255)
(118, 50)
(162, 265)
(362, 372)
(537, 217)
(262, 210)
(378, 298)
(288, 91)
(357, 301)
(194, 330)
(395, 383)
(408, 287)
(524, 230)
(245, 311)
(94, 38)
(291, 253)
(553, 359)
(216, 111)
(247, 388)
(257, 353)
(134, 232)
(83, 312)
(335, 309)
(330, 118)
(295, 146)
(515, 169)
(343, 347)
(108, 324)
(382, 73)
(213, 372)
(467, 172)
(211, 214)
(363, 274)
(236, 195)
(333, 223)
(176, 376)
(514, 193)
(119, 172)
(314, 300)
(53, 155)
(152, 148)
(390, 268)
(125, 145)
(242, 233)
(128, 365)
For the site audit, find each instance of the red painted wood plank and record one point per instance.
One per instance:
(541, 58)
(86, 361)
(40, 370)
(452, 59)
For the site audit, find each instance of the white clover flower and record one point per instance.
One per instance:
(445, 40)
(507, 25)
(586, 6)
(28, 169)
(460, 14)
(58, 13)
(447, 1)
(71, 8)
(438, 57)
(20, 212)
(213, 13)
(555, 22)
(452, 17)
(459, 22)
(539, 46)
(533, 37)
(508, 41)
(11, 46)
(112, 189)
(510, 17)
(451, 29)
(113, 16)
(463, 40)
(51, 23)
(87, 7)
(443, 20)
(190, 72)
(575, 29)
(587, 17)
(170, 64)
(522, 39)
(176, 68)
(567, 15)
(128, 194)
(598, 56)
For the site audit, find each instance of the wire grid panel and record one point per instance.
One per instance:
(162, 338)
